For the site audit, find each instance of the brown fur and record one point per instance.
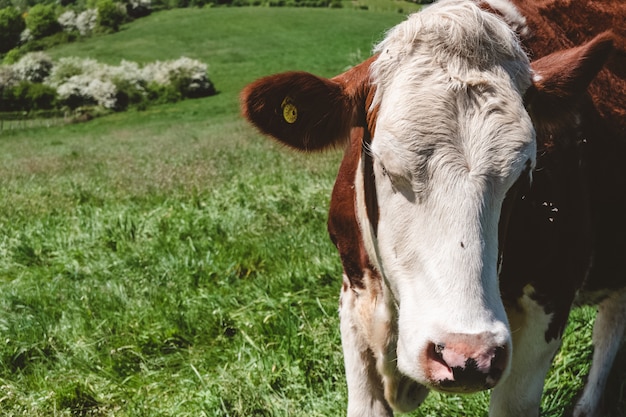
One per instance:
(324, 111)
(343, 225)
(571, 212)
(561, 24)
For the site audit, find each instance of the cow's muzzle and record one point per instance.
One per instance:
(466, 363)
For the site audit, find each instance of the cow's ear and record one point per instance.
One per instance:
(304, 111)
(563, 76)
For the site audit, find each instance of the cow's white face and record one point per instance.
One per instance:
(451, 137)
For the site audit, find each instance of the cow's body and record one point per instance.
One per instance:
(565, 241)
(437, 137)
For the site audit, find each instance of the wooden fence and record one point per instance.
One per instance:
(23, 120)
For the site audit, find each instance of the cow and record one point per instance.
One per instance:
(478, 199)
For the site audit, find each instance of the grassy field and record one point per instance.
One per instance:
(171, 262)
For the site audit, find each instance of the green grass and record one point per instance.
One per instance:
(171, 262)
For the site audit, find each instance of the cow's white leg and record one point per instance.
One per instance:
(368, 335)
(519, 394)
(365, 388)
(608, 332)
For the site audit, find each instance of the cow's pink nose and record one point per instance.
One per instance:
(466, 363)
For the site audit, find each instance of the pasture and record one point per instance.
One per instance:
(172, 262)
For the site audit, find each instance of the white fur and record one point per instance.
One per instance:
(368, 340)
(520, 393)
(452, 136)
(510, 14)
(365, 393)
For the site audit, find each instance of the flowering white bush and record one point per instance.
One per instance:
(168, 71)
(127, 72)
(83, 90)
(64, 69)
(26, 36)
(86, 21)
(67, 20)
(85, 81)
(68, 67)
(8, 76)
(186, 73)
(33, 67)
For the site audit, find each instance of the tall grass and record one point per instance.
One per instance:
(172, 262)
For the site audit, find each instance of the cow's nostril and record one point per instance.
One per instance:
(498, 365)
(435, 354)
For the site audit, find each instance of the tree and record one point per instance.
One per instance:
(41, 20)
(110, 15)
(11, 26)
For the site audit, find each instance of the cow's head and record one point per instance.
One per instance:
(443, 135)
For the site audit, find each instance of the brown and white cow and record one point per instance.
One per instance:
(442, 178)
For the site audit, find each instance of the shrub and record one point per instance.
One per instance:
(12, 56)
(138, 8)
(85, 82)
(27, 96)
(86, 21)
(67, 20)
(66, 68)
(82, 90)
(11, 26)
(110, 15)
(39, 96)
(33, 67)
(82, 82)
(188, 76)
(83, 23)
(8, 77)
(25, 36)
(162, 94)
(41, 21)
(48, 42)
(127, 93)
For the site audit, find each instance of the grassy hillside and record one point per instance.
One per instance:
(172, 262)
(245, 43)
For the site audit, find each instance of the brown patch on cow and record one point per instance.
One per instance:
(358, 86)
(561, 24)
(565, 75)
(307, 112)
(299, 109)
(560, 85)
(343, 225)
(369, 183)
(579, 187)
